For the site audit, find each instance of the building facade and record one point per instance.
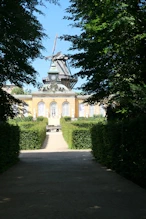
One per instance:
(56, 97)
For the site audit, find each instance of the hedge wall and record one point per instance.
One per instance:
(85, 123)
(81, 138)
(122, 147)
(76, 134)
(9, 145)
(24, 135)
(67, 129)
(32, 135)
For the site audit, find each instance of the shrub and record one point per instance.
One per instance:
(121, 146)
(17, 90)
(84, 124)
(76, 134)
(28, 118)
(82, 118)
(9, 145)
(22, 119)
(96, 118)
(32, 133)
(67, 118)
(67, 128)
(32, 136)
(42, 119)
(26, 125)
(81, 138)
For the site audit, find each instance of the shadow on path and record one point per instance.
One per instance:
(67, 185)
(44, 146)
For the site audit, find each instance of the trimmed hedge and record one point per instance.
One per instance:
(32, 133)
(95, 117)
(77, 134)
(85, 123)
(9, 145)
(19, 135)
(67, 129)
(81, 138)
(42, 119)
(22, 119)
(122, 147)
(32, 136)
(67, 118)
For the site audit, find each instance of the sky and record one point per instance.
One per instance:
(53, 23)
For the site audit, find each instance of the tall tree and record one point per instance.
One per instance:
(21, 36)
(17, 90)
(111, 46)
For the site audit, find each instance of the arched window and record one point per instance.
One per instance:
(102, 110)
(53, 109)
(65, 109)
(41, 109)
(81, 110)
(91, 110)
(25, 110)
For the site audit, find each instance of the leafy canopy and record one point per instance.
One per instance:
(20, 43)
(17, 90)
(111, 51)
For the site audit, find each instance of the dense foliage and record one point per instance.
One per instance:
(21, 36)
(9, 145)
(118, 145)
(121, 147)
(77, 134)
(17, 90)
(81, 138)
(111, 44)
(67, 129)
(19, 135)
(42, 119)
(7, 105)
(32, 133)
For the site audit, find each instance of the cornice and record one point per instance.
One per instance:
(23, 96)
(51, 94)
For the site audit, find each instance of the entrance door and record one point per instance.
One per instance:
(53, 109)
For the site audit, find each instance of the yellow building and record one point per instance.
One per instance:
(56, 98)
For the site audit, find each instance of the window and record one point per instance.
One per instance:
(53, 109)
(81, 110)
(41, 109)
(91, 110)
(102, 110)
(65, 109)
